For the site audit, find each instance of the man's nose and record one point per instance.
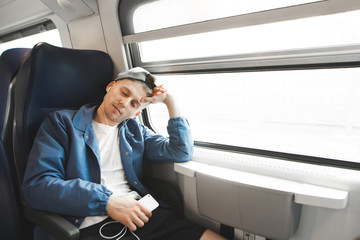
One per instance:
(125, 102)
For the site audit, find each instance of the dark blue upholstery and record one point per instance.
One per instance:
(10, 62)
(10, 223)
(11, 216)
(53, 78)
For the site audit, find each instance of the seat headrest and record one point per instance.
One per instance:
(65, 78)
(11, 60)
(53, 78)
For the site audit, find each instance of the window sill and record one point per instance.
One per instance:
(305, 194)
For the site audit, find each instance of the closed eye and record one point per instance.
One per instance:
(126, 94)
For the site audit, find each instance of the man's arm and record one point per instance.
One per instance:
(171, 105)
(46, 184)
(179, 146)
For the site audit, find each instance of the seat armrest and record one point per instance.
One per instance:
(54, 224)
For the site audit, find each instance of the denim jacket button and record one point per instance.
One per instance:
(127, 153)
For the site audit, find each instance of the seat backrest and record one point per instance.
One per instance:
(53, 78)
(10, 223)
(10, 61)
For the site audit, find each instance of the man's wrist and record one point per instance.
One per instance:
(171, 106)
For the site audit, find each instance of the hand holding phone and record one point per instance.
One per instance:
(149, 202)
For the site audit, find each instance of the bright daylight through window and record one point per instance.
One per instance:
(190, 11)
(324, 31)
(51, 37)
(307, 112)
(304, 111)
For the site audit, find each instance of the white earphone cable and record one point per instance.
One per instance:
(118, 236)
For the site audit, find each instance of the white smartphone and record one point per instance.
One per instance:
(149, 202)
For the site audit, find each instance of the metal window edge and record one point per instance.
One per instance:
(276, 15)
(340, 56)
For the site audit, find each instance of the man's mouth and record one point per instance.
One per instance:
(117, 109)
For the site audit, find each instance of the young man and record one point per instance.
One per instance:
(86, 164)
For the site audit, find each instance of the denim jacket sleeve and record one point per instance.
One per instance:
(56, 178)
(178, 147)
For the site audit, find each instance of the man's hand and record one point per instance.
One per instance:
(162, 96)
(128, 211)
(159, 95)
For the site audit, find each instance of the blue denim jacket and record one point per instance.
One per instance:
(63, 170)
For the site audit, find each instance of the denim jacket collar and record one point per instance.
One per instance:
(83, 118)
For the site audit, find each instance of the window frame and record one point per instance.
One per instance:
(28, 31)
(315, 58)
(330, 162)
(344, 56)
(325, 7)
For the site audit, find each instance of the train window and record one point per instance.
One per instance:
(27, 38)
(323, 31)
(307, 112)
(179, 12)
(277, 81)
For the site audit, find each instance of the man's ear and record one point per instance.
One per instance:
(137, 114)
(108, 87)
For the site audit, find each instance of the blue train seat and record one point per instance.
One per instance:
(10, 220)
(49, 79)
(53, 78)
(11, 216)
(10, 62)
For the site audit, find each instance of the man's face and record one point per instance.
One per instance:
(123, 100)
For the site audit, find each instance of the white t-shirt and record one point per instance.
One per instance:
(112, 171)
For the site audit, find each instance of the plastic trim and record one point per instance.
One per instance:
(306, 194)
